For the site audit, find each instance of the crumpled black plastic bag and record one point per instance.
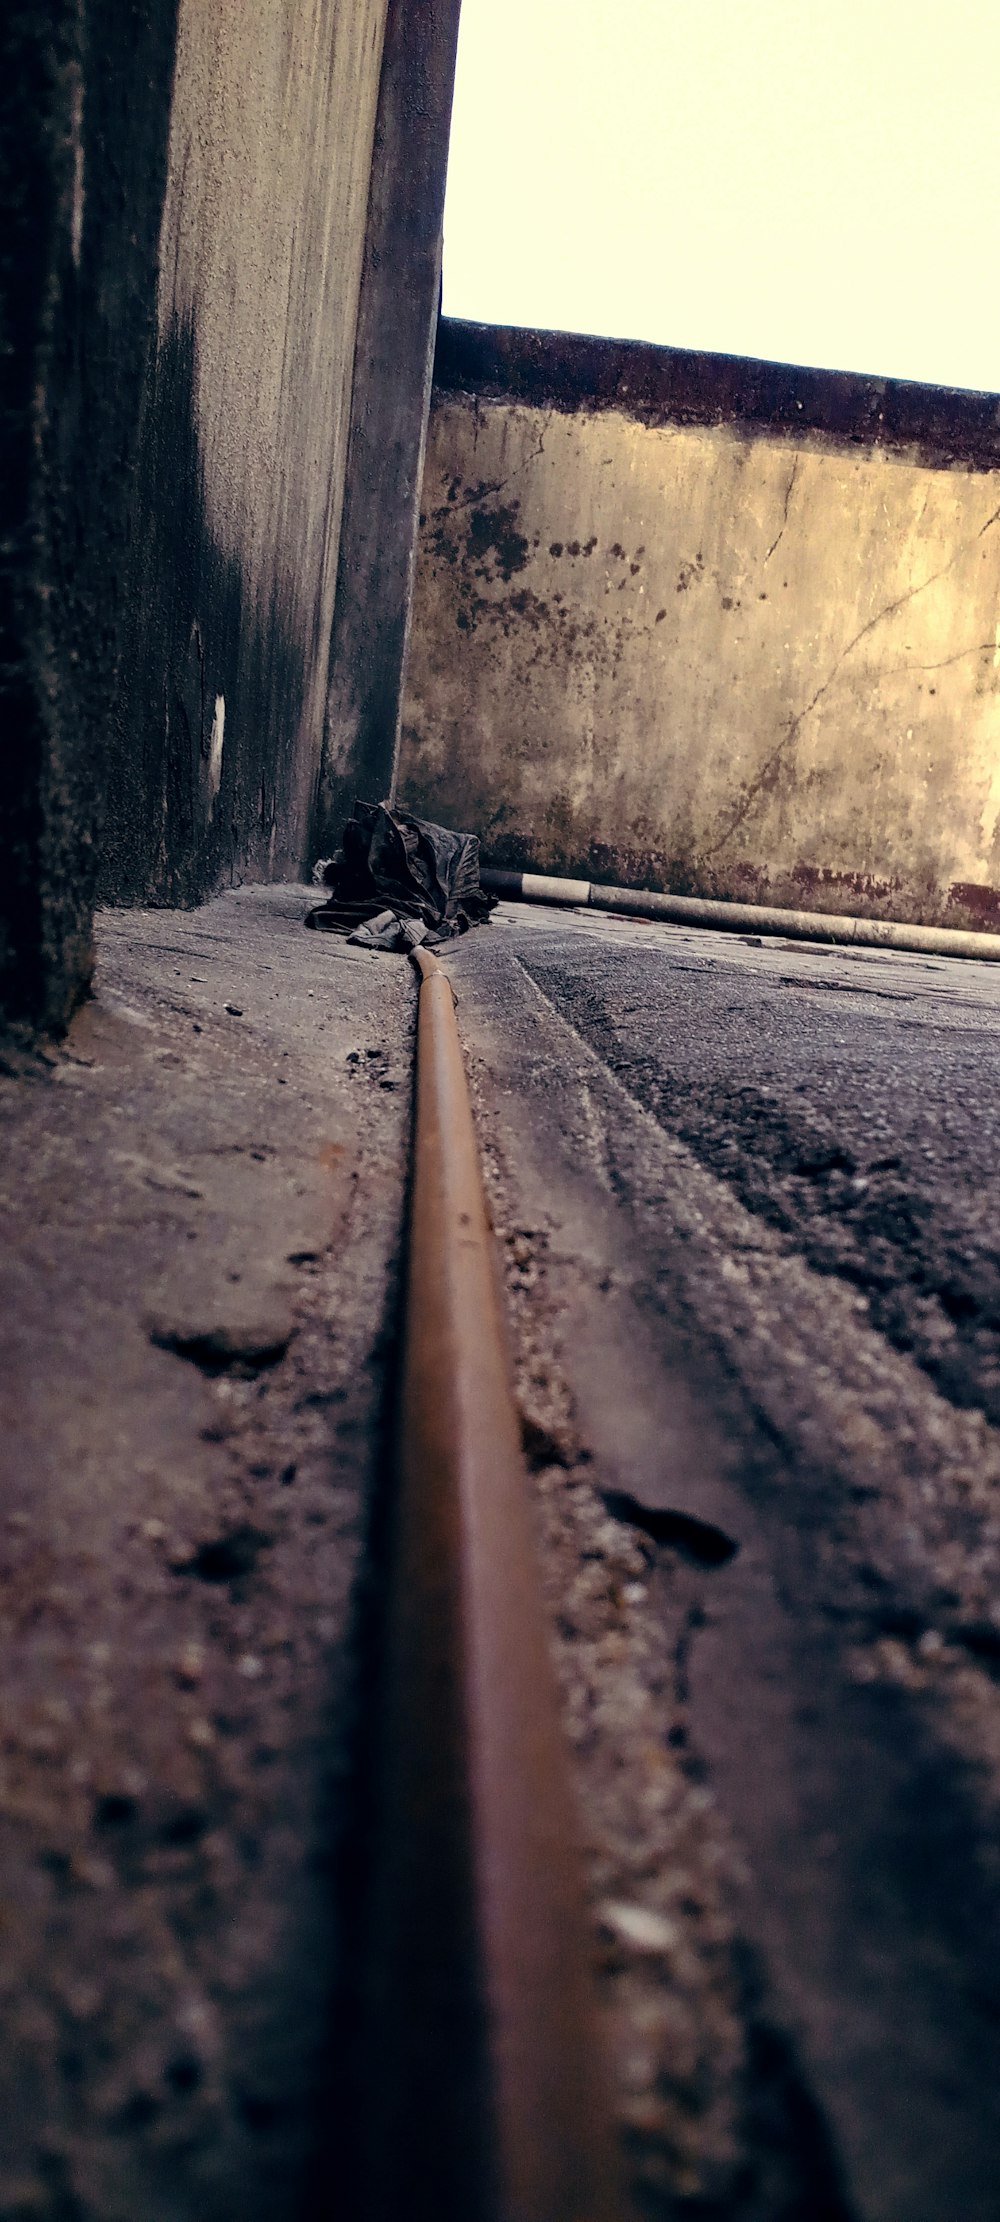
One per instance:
(392, 861)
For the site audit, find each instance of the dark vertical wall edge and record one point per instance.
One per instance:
(85, 90)
(391, 398)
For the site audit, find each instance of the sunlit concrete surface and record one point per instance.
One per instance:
(724, 658)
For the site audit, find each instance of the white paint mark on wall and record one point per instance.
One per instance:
(215, 746)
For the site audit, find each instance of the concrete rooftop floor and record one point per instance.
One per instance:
(747, 1212)
(202, 1198)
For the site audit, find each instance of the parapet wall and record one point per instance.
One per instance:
(718, 627)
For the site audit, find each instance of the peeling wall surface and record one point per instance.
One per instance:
(720, 628)
(241, 480)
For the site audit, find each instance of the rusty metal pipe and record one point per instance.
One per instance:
(490, 2100)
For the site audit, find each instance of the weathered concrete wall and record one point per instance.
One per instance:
(84, 112)
(188, 208)
(220, 715)
(725, 628)
(397, 320)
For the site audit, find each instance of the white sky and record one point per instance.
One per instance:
(815, 181)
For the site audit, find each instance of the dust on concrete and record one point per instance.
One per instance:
(848, 1100)
(202, 1212)
(712, 2114)
(829, 1310)
(838, 1695)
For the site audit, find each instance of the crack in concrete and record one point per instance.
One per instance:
(766, 775)
(976, 647)
(489, 487)
(784, 520)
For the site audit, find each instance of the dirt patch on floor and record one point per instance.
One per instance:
(714, 2116)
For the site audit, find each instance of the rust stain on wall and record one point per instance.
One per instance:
(979, 906)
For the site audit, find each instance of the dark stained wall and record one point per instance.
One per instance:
(724, 628)
(84, 112)
(188, 207)
(219, 721)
